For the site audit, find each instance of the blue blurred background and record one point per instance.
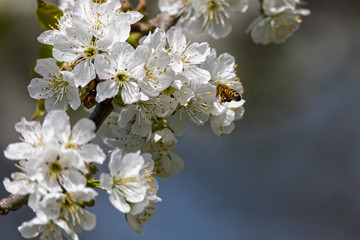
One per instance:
(290, 170)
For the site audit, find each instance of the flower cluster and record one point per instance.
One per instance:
(55, 163)
(198, 16)
(278, 20)
(155, 88)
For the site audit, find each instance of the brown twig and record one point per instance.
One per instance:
(12, 203)
(161, 20)
(126, 5)
(101, 112)
(141, 5)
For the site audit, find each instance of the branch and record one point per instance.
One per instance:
(12, 203)
(125, 5)
(162, 20)
(101, 112)
(141, 5)
(15, 201)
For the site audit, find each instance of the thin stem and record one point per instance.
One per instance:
(126, 5)
(141, 5)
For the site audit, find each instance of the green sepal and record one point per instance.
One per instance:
(118, 100)
(47, 15)
(93, 183)
(90, 204)
(134, 39)
(94, 169)
(159, 125)
(40, 109)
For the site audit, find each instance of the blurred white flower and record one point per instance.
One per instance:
(279, 20)
(47, 229)
(136, 221)
(213, 16)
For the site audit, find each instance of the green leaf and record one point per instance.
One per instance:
(48, 15)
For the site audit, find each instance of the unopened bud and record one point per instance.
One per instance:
(89, 100)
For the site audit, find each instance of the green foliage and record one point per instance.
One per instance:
(47, 15)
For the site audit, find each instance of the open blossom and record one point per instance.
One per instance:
(136, 221)
(66, 5)
(86, 31)
(159, 75)
(126, 181)
(143, 113)
(58, 168)
(59, 214)
(185, 57)
(166, 164)
(197, 109)
(222, 70)
(213, 16)
(223, 121)
(50, 205)
(279, 20)
(121, 70)
(56, 87)
(173, 7)
(47, 229)
(33, 138)
(79, 47)
(76, 139)
(124, 138)
(52, 153)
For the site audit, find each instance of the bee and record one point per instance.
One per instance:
(227, 94)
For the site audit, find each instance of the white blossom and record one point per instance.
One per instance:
(161, 141)
(125, 183)
(159, 75)
(213, 16)
(58, 168)
(121, 71)
(136, 221)
(223, 122)
(186, 56)
(174, 7)
(124, 139)
(166, 164)
(47, 230)
(66, 5)
(142, 114)
(279, 20)
(77, 139)
(56, 87)
(33, 136)
(196, 110)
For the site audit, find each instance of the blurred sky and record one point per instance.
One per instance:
(290, 170)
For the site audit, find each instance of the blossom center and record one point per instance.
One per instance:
(212, 5)
(90, 53)
(122, 78)
(55, 167)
